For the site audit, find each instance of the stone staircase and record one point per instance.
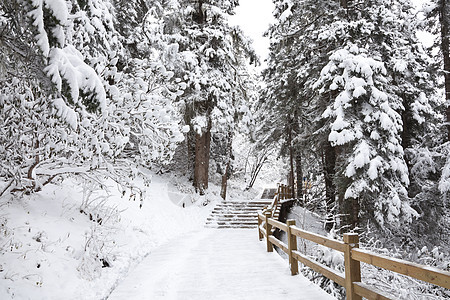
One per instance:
(239, 214)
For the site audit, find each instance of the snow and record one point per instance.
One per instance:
(362, 155)
(38, 16)
(199, 123)
(58, 8)
(286, 14)
(215, 264)
(444, 183)
(342, 137)
(55, 245)
(359, 91)
(68, 63)
(51, 250)
(66, 113)
(375, 163)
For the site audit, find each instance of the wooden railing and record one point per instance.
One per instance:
(283, 192)
(351, 279)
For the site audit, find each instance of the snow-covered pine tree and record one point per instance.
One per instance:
(297, 56)
(430, 161)
(379, 35)
(378, 76)
(208, 57)
(280, 101)
(437, 21)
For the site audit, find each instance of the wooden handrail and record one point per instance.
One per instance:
(369, 292)
(331, 274)
(278, 224)
(282, 193)
(319, 239)
(352, 258)
(424, 273)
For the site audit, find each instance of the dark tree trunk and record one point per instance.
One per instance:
(291, 163)
(444, 16)
(201, 167)
(299, 175)
(226, 174)
(223, 190)
(298, 159)
(190, 143)
(329, 164)
(348, 208)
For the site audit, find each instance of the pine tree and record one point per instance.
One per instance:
(210, 57)
(360, 67)
(297, 56)
(388, 63)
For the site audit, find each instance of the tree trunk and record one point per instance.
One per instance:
(201, 167)
(299, 175)
(348, 208)
(329, 163)
(190, 143)
(257, 166)
(223, 190)
(226, 174)
(291, 163)
(298, 158)
(444, 16)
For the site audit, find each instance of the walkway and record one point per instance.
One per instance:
(215, 264)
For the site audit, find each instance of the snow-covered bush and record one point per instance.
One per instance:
(66, 107)
(400, 286)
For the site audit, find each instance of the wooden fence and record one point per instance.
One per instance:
(283, 192)
(351, 279)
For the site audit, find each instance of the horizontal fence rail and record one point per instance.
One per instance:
(351, 279)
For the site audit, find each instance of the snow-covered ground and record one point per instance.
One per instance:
(77, 240)
(216, 264)
(67, 243)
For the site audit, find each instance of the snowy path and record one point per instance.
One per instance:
(215, 264)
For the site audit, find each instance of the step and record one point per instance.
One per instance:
(231, 223)
(228, 217)
(259, 203)
(235, 212)
(231, 227)
(249, 202)
(238, 212)
(238, 208)
(229, 213)
(258, 207)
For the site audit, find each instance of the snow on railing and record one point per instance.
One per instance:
(351, 279)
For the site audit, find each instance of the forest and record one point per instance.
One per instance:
(351, 107)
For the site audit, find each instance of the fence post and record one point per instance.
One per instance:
(260, 235)
(352, 267)
(268, 214)
(292, 245)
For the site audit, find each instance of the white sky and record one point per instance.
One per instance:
(254, 17)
